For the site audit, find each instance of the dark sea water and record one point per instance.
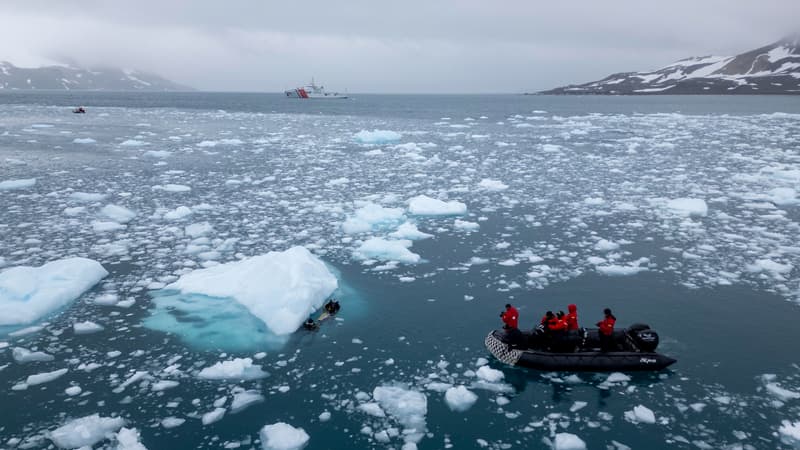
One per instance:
(573, 200)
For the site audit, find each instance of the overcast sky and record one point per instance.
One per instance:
(398, 46)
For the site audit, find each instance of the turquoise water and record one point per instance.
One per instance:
(721, 288)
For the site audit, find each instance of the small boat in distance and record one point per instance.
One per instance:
(313, 91)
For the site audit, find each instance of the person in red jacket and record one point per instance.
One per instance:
(572, 317)
(510, 317)
(607, 330)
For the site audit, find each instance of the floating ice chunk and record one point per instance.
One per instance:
(282, 436)
(577, 406)
(86, 327)
(337, 181)
(490, 375)
(74, 211)
(604, 245)
(172, 422)
(236, 369)
(213, 416)
(107, 299)
(410, 231)
(324, 416)
(779, 196)
(408, 407)
(29, 293)
(385, 250)
(172, 188)
(460, 398)
(377, 136)
(178, 213)
(132, 143)
(45, 377)
(87, 196)
(162, 385)
(623, 270)
(17, 184)
(199, 229)
(688, 207)
(73, 390)
(83, 141)
(280, 288)
(782, 394)
(618, 377)
(129, 439)
(85, 431)
(422, 205)
(23, 355)
(372, 408)
(242, 400)
(790, 432)
(768, 265)
(102, 226)
(492, 185)
(640, 414)
(568, 441)
(118, 213)
(371, 216)
(465, 225)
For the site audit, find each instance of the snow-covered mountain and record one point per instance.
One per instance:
(773, 69)
(69, 77)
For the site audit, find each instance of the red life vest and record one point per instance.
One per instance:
(511, 317)
(607, 325)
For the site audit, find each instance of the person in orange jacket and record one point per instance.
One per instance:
(559, 324)
(510, 317)
(607, 330)
(572, 317)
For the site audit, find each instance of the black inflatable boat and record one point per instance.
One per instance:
(633, 350)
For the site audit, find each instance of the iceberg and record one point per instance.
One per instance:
(279, 288)
(29, 293)
(422, 205)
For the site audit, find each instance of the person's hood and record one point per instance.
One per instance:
(572, 308)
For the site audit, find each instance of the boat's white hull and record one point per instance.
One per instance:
(313, 91)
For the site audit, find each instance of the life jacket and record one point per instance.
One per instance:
(607, 325)
(511, 317)
(556, 324)
(572, 317)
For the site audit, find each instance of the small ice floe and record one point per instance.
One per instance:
(244, 399)
(387, 250)
(407, 407)
(172, 422)
(465, 225)
(29, 293)
(45, 377)
(640, 414)
(568, 441)
(460, 398)
(86, 327)
(118, 213)
(282, 436)
(23, 355)
(492, 185)
(132, 143)
(129, 439)
(213, 416)
(85, 431)
(87, 197)
(236, 369)
(83, 141)
(688, 207)
(178, 213)
(17, 184)
(422, 205)
(377, 136)
(175, 188)
(409, 231)
(790, 432)
(372, 216)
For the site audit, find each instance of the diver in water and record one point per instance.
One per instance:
(310, 324)
(332, 307)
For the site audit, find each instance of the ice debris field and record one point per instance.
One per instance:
(155, 264)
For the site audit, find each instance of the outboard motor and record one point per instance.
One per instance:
(645, 339)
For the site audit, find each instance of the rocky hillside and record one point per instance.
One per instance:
(773, 69)
(74, 78)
